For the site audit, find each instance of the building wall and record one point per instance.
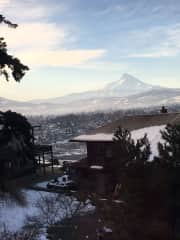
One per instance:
(99, 153)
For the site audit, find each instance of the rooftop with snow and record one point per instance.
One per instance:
(139, 123)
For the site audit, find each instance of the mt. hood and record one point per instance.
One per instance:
(126, 86)
(128, 92)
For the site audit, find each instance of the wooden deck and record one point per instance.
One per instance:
(40, 152)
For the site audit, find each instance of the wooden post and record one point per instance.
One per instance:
(44, 168)
(34, 164)
(39, 163)
(52, 161)
(32, 129)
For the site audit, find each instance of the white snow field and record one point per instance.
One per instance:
(13, 215)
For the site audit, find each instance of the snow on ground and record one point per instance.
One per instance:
(42, 184)
(154, 136)
(98, 167)
(66, 161)
(107, 229)
(13, 216)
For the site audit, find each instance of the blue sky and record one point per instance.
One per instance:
(78, 45)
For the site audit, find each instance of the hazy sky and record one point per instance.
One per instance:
(77, 45)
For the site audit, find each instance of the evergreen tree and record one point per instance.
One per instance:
(13, 64)
(127, 151)
(129, 159)
(169, 150)
(16, 143)
(169, 159)
(13, 127)
(16, 124)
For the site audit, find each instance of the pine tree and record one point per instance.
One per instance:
(169, 151)
(13, 64)
(169, 158)
(129, 158)
(10, 64)
(129, 151)
(16, 143)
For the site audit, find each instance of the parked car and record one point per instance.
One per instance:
(63, 183)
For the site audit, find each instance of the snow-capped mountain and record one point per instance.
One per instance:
(127, 92)
(128, 85)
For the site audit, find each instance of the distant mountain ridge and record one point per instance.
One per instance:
(128, 85)
(127, 92)
(125, 86)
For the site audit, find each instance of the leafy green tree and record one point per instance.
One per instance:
(7, 61)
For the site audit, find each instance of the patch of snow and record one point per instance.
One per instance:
(66, 154)
(96, 167)
(14, 216)
(154, 136)
(118, 201)
(107, 229)
(45, 161)
(95, 137)
(42, 184)
(61, 162)
(57, 166)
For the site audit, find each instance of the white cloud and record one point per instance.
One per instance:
(60, 58)
(105, 66)
(174, 35)
(40, 43)
(29, 10)
(156, 42)
(4, 4)
(112, 9)
(156, 54)
(34, 32)
(34, 35)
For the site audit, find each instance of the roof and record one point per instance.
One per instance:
(106, 133)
